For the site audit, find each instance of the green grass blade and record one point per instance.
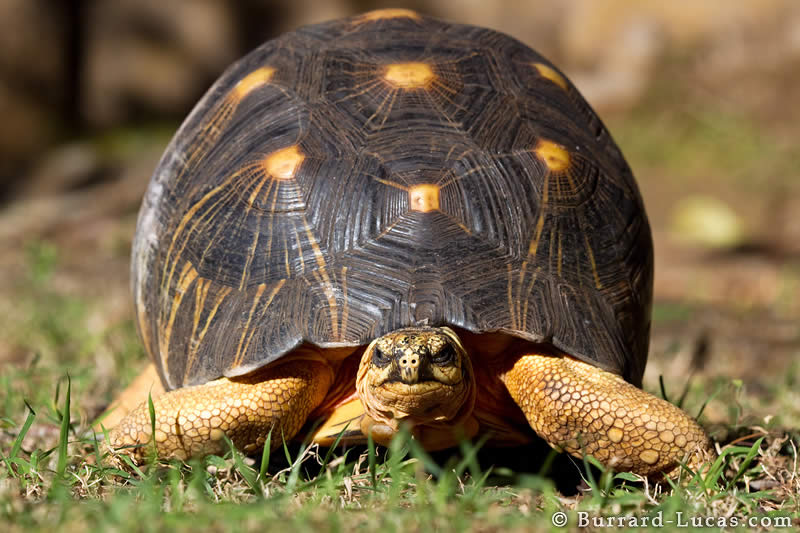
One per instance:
(98, 456)
(294, 472)
(265, 452)
(714, 472)
(717, 468)
(684, 393)
(663, 388)
(469, 452)
(419, 453)
(587, 473)
(176, 492)
(371, 461)
(247, 473)
(590, 460)
(547, 464)
(711, 397)
(627, 476)
(286, 452)
(152, 411)
(7, 462)
(63, 436)
(24, 431)
(479, 482)
(333, 447)
(751, 453)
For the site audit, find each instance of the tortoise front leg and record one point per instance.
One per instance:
(191, 421)
(580, 408)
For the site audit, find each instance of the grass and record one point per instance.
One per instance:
(392, 489)
(54, 473)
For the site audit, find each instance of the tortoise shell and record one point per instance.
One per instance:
(355, 177)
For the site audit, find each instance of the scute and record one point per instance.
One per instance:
(373, 173)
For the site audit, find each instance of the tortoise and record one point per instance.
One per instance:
(390, 221)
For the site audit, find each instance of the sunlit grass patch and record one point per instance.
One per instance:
(77, 484)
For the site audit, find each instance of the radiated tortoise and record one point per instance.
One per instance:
(392, 220)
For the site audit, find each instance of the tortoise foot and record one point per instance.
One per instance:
(580, 408)
(191, 422)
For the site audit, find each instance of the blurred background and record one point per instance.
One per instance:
(702, 97)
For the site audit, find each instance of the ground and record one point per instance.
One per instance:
(718, 171)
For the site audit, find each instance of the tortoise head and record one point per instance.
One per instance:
(418, 376)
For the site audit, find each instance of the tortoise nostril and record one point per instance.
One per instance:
(405, 361)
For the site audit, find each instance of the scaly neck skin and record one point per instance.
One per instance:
(417, 376)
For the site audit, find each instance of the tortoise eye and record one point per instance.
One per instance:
(379, 358)
(445, 356)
